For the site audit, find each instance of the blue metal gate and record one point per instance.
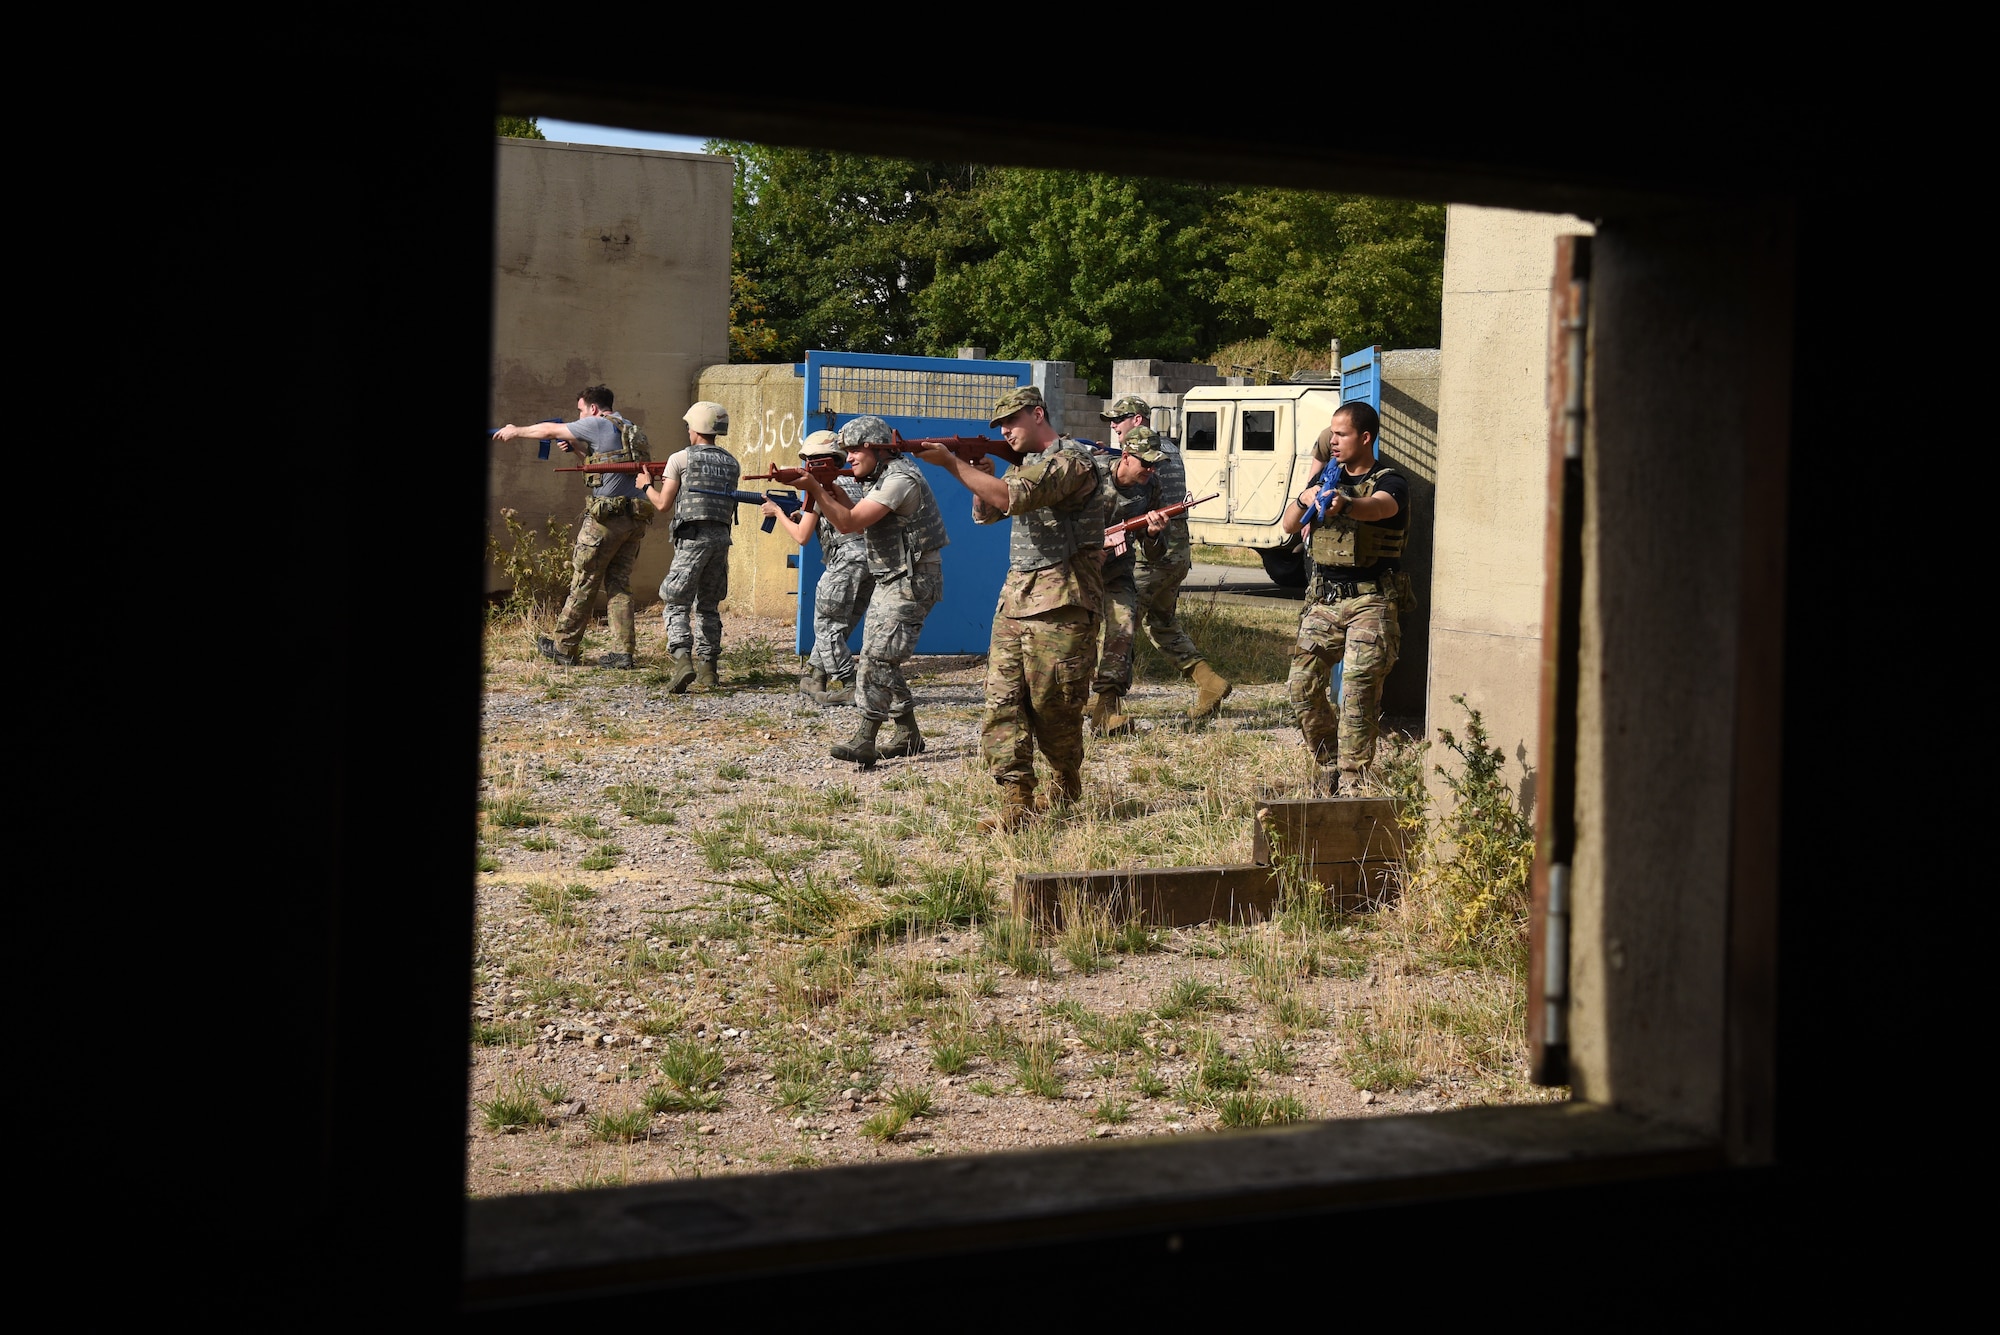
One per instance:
(921, 396)
(1360, 380)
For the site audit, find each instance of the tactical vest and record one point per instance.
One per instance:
(1358, 542)
(833, 544)
(709, 468)
(896, 542)
(1048, 536)
(633, 448)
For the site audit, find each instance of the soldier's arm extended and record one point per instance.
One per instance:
(801, 524)
(555, 431)
(976, 475)
(661, 494)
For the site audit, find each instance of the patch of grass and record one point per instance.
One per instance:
(949, 1057)
(732, 771)
(487, 862)
(503, 1033)
(513, 813)
(635, 799)
(916, 982)
(584, 824)
(514, 1106)
(1035, 1068)
(1012, 942)
(551, 774)
(621, 1126)
(1295, 1012)
(553, 1093)
(885, 1126)
(855, 1057)
(666, 1099)
(1271, 1054)
(1379, 1063)
(808, 903)
(602, 858)
(1244, 1110)
(556, 903)
(912, 1101)
(878, 863)
(1111, 1111)
(984, 1088)
(1189, 996)
(1220, 1070)
(1148, 1084)
(691, 1065)
(538, 843)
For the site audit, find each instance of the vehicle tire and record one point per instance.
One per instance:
(1285, 565)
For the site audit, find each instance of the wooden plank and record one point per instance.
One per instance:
(1331, 829)
(1186, 896)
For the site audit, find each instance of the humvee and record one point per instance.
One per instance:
(1253, 444)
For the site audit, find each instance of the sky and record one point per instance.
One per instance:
(572, 132)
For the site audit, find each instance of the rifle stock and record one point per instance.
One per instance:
(1115, 537)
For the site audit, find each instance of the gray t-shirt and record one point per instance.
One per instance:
(898, 492)
(600, 435)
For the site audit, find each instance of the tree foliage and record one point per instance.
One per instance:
(836, 250)
(518, 127)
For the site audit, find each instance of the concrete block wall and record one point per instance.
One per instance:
(1072, 407)
(1409, 440)
(611, 266)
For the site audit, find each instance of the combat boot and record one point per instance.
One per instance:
(704, 673)
(837, 692)
(548, 650)
(680, 673)
(622, 661)
(1066, 788)
(1017, 808)
(1326, 781)
(1104, 715)
(1214, 690)
(813, 683)
(860, 748)
(905, 740)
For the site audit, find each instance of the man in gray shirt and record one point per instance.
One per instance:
(614, 523)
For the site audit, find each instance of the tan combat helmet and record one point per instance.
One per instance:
(710, 419)
(822, 445)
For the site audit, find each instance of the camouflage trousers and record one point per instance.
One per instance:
(1363, 636)
(1141, 591)
(697, 582)
(1037, 683)
(895, 619)
(604, 557)
(838, 603)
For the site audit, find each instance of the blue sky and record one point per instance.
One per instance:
(571, 132)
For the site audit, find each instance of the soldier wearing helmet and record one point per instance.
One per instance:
(697, 486)
(845, 586)
(1158, 568)
(903, 531)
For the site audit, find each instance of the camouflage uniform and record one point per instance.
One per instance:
(1121, 594)
(1349, 619)
(843, 593)
(1162, 565)
(698, 580)
(608, 535)
(1045, 630)
(903, 558)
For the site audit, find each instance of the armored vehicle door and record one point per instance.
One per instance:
(1206, 425)
(1260, 461)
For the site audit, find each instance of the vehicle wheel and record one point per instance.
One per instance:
(1285, 565)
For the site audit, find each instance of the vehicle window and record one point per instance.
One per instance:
(1260, 430)
(1200, 432)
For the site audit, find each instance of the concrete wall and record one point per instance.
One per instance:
(1491, 476)
(766, 421)
(1409, 440)
(611, 267)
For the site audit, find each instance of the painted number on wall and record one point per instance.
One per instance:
(783, 434)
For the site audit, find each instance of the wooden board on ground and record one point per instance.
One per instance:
(1185, 896)
(1329, 829)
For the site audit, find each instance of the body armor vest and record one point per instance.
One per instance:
(617, 484)
(897, 542)
(710, 468)
(1171, 474)
(1358, 542)
(835, 546)
(1048, 536)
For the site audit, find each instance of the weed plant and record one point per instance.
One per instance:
(621, 1126)
(535, 565)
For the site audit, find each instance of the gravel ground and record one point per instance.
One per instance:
(612, 943)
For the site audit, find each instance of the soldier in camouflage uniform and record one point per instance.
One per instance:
(845, 585)
(900, 521)
(1161, 567)
(1137, 490)
(608, 535)
(1045, 629)
(1358, 515)
(698, 486)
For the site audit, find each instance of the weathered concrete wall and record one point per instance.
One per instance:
(766, 408)
(1492, 477)
(611, 267)
(1409, 440)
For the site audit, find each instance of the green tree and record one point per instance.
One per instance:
(1308, 267)
(833, 248)
(1081, 267)
(518, 127)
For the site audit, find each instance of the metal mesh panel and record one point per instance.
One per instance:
(850, 390)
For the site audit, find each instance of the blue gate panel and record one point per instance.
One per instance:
(1361, 377)
(921, 396)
